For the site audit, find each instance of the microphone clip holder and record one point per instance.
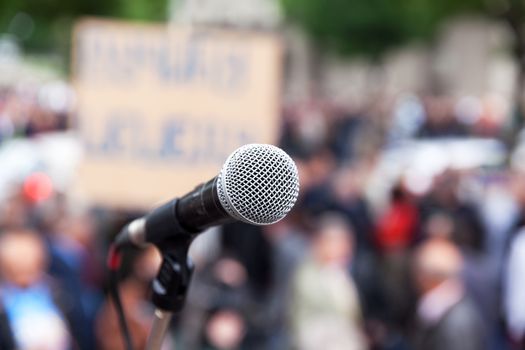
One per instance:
(171, 284)
(173, 279)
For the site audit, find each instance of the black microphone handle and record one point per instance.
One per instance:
(201, 208)
(185, 216)
(190, 214)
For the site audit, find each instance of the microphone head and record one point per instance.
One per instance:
(258, 184)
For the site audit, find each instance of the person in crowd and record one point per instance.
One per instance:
(396, 227)
(225, 329)
(289, 244)
(440, 120)
(6, 125)
(34, 311)
(14, 210)
(325, 308)
(512, 271)
(305, 128)
(347, 125)
(134, 295)
(395, 236)
(75, 262)
(514, 287)
(469, 232)
(316, 197)
(217, 311)
(479, 274)
(446, 317)
(346, 190)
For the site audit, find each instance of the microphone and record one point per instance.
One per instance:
(258, 184)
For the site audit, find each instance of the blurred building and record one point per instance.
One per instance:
(469, 56)
(233, 13)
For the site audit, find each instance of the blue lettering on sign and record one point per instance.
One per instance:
(237, 70)
(197, 61)
(192, 62)
(179, 140)
(120, 131)
(170, 140)
(164, 68)
(112, 140)
(136, 54)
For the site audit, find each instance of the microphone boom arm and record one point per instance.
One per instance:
(171, 284)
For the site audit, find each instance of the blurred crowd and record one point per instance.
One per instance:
(30, 109)
(438, 268)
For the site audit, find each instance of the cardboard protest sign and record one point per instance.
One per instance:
(160, 108)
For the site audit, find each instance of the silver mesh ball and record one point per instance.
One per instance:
(258, 184)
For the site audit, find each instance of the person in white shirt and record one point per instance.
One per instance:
(514, 289)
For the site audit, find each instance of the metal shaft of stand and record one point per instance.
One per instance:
(158, 329)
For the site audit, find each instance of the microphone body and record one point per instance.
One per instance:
(188, 215)
(201, 208)
(258, 184)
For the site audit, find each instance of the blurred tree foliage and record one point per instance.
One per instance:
(45, 25)
(371, 27)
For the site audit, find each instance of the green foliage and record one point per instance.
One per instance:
(142, 9)
(371, 27)
(46, 24)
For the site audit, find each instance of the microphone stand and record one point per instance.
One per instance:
(171, 285)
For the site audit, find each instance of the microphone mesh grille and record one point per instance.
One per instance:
(258, 184)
